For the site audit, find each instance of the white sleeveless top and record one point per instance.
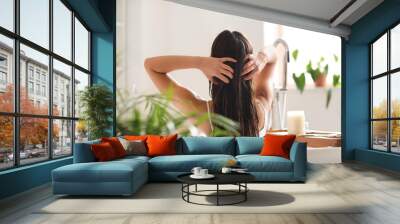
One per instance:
(262, 132)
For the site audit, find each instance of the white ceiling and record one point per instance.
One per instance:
(320, 9)
(316, 15)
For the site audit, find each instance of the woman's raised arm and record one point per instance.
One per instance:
(183, 98)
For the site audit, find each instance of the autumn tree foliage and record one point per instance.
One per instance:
(379, 128)
(33, 131)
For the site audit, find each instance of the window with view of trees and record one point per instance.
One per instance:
(44, 64)
(385, 91)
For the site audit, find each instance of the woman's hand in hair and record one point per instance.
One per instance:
(255, 64)
(216, 68)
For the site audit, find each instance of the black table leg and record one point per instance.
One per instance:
(188, 190)
(217, 194)
(245, 193)
(182, 190)
(195, 188)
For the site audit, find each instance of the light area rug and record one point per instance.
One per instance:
(166, 198)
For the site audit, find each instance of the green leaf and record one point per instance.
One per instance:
(328, 98)
(326, 69)
(300, 81)
(295, 53)
(313, 72)
(336, 80)
(336, 58)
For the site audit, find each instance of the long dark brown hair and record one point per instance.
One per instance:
(236, 99)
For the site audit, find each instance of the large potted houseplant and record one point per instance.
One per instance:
(154, 114)
(96, 103)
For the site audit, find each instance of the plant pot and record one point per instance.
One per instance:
(320, 81)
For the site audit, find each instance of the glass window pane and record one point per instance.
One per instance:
(395, 47)
(33, 139)
(81, 131)
(34, 21)
(6, 142)
(379, 97)
(395, 136)
(395, 94)
(81, 81)
(6, 74)
(7, 14)
(62, 29)
(379, 135)
(62, 138)
(34, 72)
(379, 55)
(81, 45)
(62, 89)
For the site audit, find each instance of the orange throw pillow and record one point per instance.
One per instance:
(161, 145)
(277, 145)
(135, 137)
(103, 152)
(116, 145)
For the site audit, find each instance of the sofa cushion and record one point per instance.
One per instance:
(131, 158)
(257, 163)
(116, 145)
(207, 145)
(103, 152)
(159, 145)
(112, 171)
(185, 163)
(135, 137)
(277, 145)
(249, 145)
(134, 147)
(83, 152)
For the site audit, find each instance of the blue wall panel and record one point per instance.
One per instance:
(24, 178)
(377, 158)
(103, 61)
(356, 113)
(356, 88)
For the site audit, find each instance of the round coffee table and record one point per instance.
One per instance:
(238, 179)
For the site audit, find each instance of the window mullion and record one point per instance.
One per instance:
(50, 81)
(16, 70)
(389, 100)
(73, 82)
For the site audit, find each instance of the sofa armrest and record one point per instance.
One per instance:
(83, 152)
(298, 155)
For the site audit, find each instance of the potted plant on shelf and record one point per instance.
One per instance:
(319, 73)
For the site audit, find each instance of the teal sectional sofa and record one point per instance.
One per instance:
(125, 176)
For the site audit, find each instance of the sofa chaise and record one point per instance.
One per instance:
(125, 176)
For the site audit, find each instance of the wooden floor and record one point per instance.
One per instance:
(379, 189)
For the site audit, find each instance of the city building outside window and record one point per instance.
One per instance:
(30, 87)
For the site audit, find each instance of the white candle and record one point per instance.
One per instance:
(295, 122)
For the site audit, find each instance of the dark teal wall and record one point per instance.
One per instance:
(356, 84)
(100, 17)
(24, 178)
(103, 63)
(103, 52)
